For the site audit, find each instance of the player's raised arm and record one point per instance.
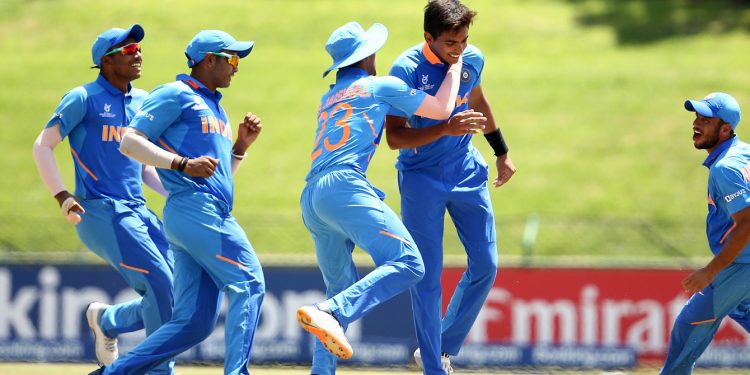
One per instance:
(441, 105)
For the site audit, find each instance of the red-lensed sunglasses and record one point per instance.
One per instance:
(128, 49)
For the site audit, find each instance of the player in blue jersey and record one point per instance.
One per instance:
(720, 288)
(340, 207)
(439, 169)
(108, 208)
(185, 133)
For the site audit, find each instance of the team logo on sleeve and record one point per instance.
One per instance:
(465, 75)
(413, 92)
(107, 113)
(425, 78)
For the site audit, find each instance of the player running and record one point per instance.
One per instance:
(108, 208)
(340, 207)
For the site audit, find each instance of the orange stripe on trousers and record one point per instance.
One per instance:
(231, 261)
(394, 236)
(141, 270)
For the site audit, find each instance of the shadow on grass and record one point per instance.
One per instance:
(649, 21)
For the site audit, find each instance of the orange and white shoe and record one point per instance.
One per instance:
(327, 329)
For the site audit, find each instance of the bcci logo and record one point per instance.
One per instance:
(465, 75)
(425, 78)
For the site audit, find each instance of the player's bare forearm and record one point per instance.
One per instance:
(398, 135)
(738, 239)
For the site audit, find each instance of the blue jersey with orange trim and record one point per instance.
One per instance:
(351, 117)
(420, 68)
(186, 118)
(93, 117)
(728, 192)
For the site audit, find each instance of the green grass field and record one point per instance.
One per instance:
(588, 93)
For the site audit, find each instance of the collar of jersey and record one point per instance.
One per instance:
(351, 71)
(197, 86)
(110, 88)
(431, 57)
(711, 159)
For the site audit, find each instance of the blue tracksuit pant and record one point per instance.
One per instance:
(342, 209)
(212, 257)
(460, 187)
(695, 326)
(131, 239)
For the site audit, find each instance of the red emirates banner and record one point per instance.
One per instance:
(600, 307)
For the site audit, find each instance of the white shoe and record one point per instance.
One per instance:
(445, 360)
(327, 329)
(105, 347)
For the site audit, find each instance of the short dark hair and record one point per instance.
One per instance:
(446, 15)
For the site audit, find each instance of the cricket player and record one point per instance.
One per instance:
(439, 169)
(340, 207)
(185, 133)
(720, 288)
(108, 208)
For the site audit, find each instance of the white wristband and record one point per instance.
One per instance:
(239, 157)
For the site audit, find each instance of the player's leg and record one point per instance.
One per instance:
(238, 270)
(423, 211)
(129, 243)
(196, 309)
(215, 240)
(352, 206)
(701, 316)
(470, 209)
(334, 257)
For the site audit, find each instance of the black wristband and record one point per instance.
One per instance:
(497, 142)
(183, 164)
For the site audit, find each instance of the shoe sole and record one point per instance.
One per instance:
(331, 343)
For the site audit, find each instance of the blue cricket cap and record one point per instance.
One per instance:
(111, 38)
(351, 43)
(207, 41)
(717, 104)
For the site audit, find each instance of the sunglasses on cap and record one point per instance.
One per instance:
(233, 60)
(128, 49)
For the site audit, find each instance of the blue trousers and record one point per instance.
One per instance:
(131, 239)
(212, 257)
(696, 325)
(342, 209)
(460, 187)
